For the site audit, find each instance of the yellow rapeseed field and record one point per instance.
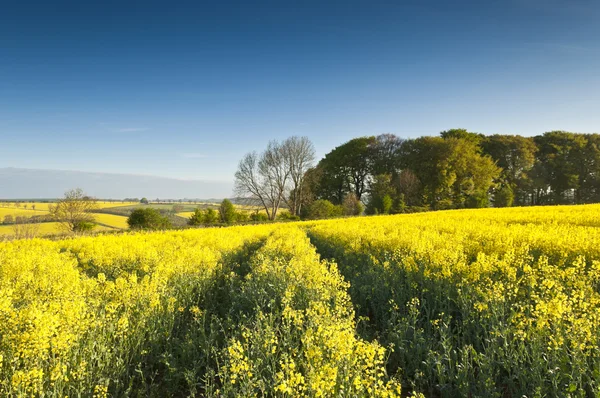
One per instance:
(111, 220)
(494, 303)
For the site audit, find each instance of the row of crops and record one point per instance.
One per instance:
(460, 303)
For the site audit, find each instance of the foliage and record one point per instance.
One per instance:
(504, 196)
(322, 209)
(494, 302)
(352, 206)
(257, 216)
(346, 169)
(148, 219)
(227, 212)
(74, 211)
(380, 195)
(144, 201)
(204, 217)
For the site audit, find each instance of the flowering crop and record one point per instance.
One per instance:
(497, 302)
(479, 302)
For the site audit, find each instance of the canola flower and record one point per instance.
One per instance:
(479, 302)
(494, 302)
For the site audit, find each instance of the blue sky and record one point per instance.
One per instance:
(184, 89)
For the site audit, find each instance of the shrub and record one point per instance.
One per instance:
(504, 197)
(261, 217)
(352, 206)
(227, 212)
(323, 209)
(148, 219)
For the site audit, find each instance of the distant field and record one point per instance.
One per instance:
(185, 214)
(111, 220)
(45, 229)
(166, 207)
(13, 211)
(43, 206)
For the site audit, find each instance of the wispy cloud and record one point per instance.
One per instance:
(131, 129)
(192, 155)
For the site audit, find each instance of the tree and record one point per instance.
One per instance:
(351, 205)
(227, 212)
(73, 212)
(450, 170)
(267, 178)
(25, 229)
(381, 192)
(206, 217)
(408, 186)
(144, 201)
(347, 168)
(462, 134)
(299, 154)
(148, 219)
(323, 209)
(197, 218)
(515, 155)
(504, 196)
(386, 153)
(561, 164)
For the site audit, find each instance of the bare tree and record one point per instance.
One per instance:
(256, 181)
(276, 176)
(299, 153)
(74, 211)
(25, 229)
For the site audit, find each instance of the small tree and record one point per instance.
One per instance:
(197, 218)
(259, 217)
(323, 209)
(504, 197)
(227, 212)
(73, 212)
(211, 217)
(25, 229)
(144, 201)
(148, 219)
(351, 205)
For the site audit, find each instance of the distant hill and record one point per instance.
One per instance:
(32, 183)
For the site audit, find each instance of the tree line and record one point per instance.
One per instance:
(457, 169)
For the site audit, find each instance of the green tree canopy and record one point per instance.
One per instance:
(148, 219)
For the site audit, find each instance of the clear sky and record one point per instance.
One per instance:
(184, 89)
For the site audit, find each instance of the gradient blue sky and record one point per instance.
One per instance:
(183, 89)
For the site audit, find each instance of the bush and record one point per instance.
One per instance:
(261, 217)
(504, 197)
(206, 217)
(285, 216)
(352, 206)
(83, 226)
(478, 200)
(323, 209)
(148, 219)
(227, 212)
